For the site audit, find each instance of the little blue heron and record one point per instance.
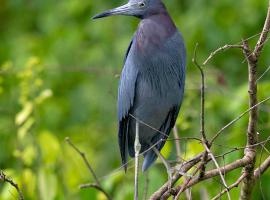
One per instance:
(151, 86)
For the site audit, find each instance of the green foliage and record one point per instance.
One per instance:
(58, 77)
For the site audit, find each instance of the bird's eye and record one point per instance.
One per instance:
(141, 4)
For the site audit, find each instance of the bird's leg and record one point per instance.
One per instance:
(170, 170)
(137, 148)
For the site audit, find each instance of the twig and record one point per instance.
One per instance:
(202, 123)
(262, 168)
(239, 180)
(183, 188)
(225, 47)
(184, 167)
(82, 154)
(96, 186)
(202, 115)
(210, 174)
(4, 178)
(218, 168)
(178, 153)
(237, 118)
(264, 34)
(268, 68)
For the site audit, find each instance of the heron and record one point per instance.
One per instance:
(152, 81)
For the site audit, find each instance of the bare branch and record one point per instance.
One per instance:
(239, 180)
(218, 168)
(82, 154)
(202, 115)
(210, 174)
(247, 186)
(238, 118)
(262, 168)
(220, 49)
(184, 167)
(96, 186)
(202, 123)
(4, 178)
(263, 35)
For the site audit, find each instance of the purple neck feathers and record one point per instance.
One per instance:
(153, 31)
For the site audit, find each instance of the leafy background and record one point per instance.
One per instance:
(58, 78)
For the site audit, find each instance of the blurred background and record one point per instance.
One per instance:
(59, 72)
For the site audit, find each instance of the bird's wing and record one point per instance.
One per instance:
(126, 93)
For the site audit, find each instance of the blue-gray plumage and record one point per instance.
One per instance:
(152, 81)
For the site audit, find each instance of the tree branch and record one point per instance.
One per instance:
(262, 168)
(96, 185)
(211, 173)
(220, 49)
(184, 167)
(4, 178)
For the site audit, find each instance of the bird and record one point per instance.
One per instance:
(152, 81)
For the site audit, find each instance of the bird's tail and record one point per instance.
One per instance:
(149, 159)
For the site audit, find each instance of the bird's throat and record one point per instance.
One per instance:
(154, 31)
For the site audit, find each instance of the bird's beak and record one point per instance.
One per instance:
(121, 10)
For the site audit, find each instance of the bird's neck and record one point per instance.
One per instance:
(154, 30)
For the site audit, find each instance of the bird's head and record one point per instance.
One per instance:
(137, 8)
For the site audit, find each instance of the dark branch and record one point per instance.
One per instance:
(4, 178)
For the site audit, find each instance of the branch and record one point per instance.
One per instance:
(202, 127)
(263, 36)
(237, 118)
(262, 168)
(202, 115)
(225, 47)
(239, 180)
(184, 167)
(212, 173)
(96, 185)
(4, 178)
(218, 168)
(248, 181)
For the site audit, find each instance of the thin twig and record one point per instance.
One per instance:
(262, 168)
(202, 112)
(268, 68)
(210, 174)
(239, 180)
(218, 168)
(184, 167)
(202, 123)
(225, 47)
(96, 186)
(264, 34)
(82, 154)
(237, 118)
(4, 178)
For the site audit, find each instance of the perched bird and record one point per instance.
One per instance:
(151, 86)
